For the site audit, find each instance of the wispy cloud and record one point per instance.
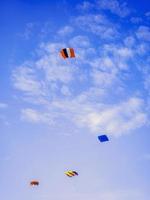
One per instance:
(116, 119)
(65, 31)
(80, 41)
(144, 33)
(26, 81)
(115, 7)
(85, 5)
(35, 116)
(97, 24)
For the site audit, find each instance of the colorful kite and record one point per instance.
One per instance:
(67, 53)
(71, 173)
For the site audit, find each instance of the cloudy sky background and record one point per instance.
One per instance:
(52, 110)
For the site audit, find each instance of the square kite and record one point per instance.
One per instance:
(103, 138)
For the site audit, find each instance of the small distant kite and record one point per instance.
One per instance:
(103, 138)
(71, 173)
(34, 183)
(67, 53)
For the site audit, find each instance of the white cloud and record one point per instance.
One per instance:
(129, 41)
(116, 119)
(65, 31)
(125, 52)
(115, 7)
(143, 33)
(61, 73)
(107, 69)
(85, 6)
(55, 69)
(65, 90)
(80, 41)
(104, 79)
(98, 25)
(35, 116)
(142, 48)
(25, 80)
(119, 51)
(51, 48)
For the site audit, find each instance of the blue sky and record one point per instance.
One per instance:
(52, 110)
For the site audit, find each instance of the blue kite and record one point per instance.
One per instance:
(103, 138)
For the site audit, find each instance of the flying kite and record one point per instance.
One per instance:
(71, 173)
(34, 183)
(67, 53)
(103, 138)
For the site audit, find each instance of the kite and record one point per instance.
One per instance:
(71, 173)
(67, 53)
(34, 183)
(103, 138)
